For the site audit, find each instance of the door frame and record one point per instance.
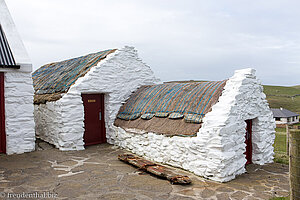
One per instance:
(2, 115)
(104, 140)
(248, 141)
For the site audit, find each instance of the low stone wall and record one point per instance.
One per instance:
(19, 121)
(218, 150)
(290, 126)
(48, 122)
(296, 126)
(280, 125)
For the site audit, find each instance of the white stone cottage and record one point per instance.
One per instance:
(17, 133)
(77, 100)
(209, 128)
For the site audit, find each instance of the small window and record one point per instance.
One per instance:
(277, 118)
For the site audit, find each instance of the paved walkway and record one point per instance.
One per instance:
(95, 173)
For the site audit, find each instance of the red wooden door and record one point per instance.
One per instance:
(2, 116)
(94, 119)
(248, 141)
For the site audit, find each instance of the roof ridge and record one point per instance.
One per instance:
(77, 57)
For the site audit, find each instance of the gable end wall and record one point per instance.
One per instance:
(19, 121)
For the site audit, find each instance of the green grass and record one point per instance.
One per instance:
(281, 130)
(281, 90)
(292, 104)
(280, 142)
(282, 158)
(280, 149)
(296, 86)
(281, 96)
(280, 198)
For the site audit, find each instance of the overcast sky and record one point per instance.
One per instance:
(178, 39)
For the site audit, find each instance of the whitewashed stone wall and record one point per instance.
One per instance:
(117, 76)
(48, 122)
(19, 123)
(218, 150)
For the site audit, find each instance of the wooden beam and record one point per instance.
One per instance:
(156, 169)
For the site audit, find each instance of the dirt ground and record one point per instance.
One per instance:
(96, 173)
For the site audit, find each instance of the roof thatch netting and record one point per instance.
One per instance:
(54, 79)
(170, 108)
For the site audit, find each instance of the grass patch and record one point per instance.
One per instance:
(281, 90)
(280, 149)
(282, 130)
(280, 142)
(292, 104)
(282, 158)
(296, 86)
(280, 198)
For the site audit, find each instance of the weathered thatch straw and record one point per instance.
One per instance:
(43, 98)
(169, 102)
(52, 80)
(161, 125)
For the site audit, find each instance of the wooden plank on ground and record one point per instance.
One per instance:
(156, 169)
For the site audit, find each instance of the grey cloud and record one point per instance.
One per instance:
(192, 39)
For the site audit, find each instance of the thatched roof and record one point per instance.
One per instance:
(54, 79)
(170, 108)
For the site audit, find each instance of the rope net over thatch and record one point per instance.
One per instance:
(170, 108)
(52, 80)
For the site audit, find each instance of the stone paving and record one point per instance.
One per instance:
(95, 173)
